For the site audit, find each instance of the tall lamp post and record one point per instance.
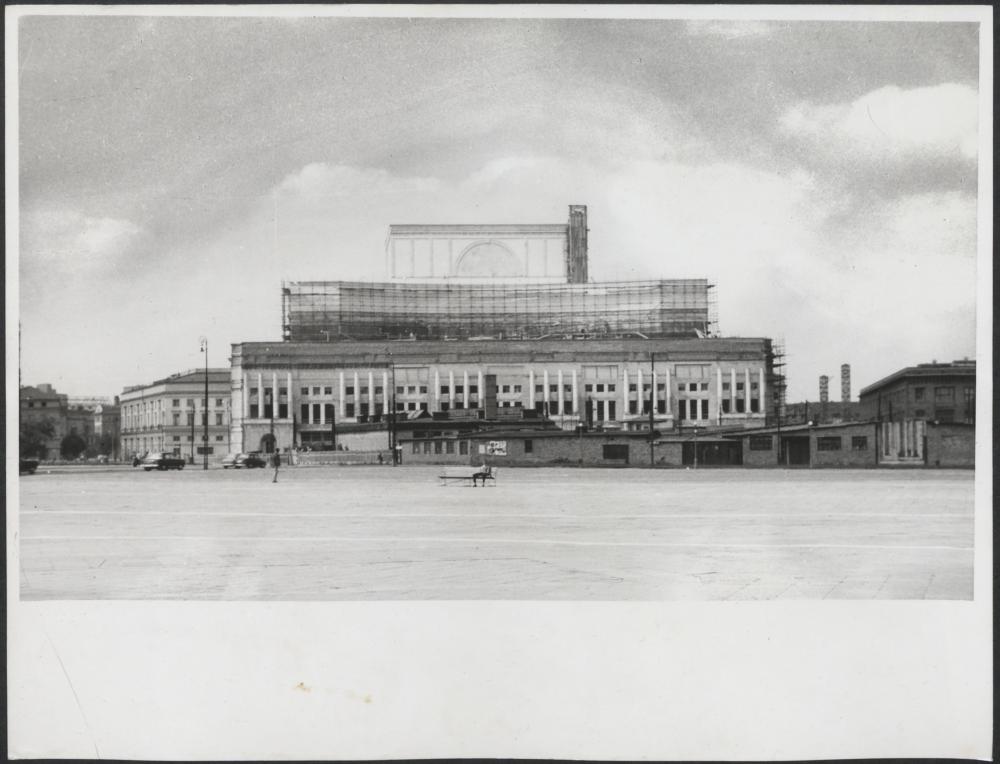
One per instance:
(204, 411)
(392, 420)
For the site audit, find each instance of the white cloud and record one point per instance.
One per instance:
(71, 237)
(892, 123)
(729, 28)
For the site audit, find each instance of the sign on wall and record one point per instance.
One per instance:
(494, 448)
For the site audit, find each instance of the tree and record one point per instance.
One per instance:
(72, 446)
(34, 436)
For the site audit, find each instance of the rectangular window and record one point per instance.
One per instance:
(327, 391)
(761, 442)
(316, 408)
(859, 443)
(632, 387)
(176, 402)
(754, 405)
(378, 391)
(725, 386)
(553, 388)
(282, 411)
(364, 391)
(304, 391)
(349, 410)
(444, 389)
(463, 447)
(449, 447)
(328, 408)
(539, 389)
(218, 401)
(704, 409)
(739, 387)
(944, 394)
(437, 446)
(692, 387)
(304, 412)
(529, 446)
(505, 388)
(349, 390)
(741, 406)
(918, 393)
(828, 443)
(177, 438)
(588, 388)
(427, 448)
(633, 407)
(726, 405)
(177, 420)
(412, 406)
(600, 388)
(567, 407)
(253, 391)
(704, 385)
(190, 403)
(254, 411)
(517, 388)
(190, 419)
(284, 391)
(444, 405)
(218, 438)
(616, 451)
(218, 418)
(423, 390)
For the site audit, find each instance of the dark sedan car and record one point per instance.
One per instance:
(161, 461)
(253, 459)
(28, 466)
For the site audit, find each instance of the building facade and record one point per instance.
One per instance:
(40, 406)
(938, 392)
(170, 415)
(287, 394)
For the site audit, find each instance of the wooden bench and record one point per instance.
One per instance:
(474, 479)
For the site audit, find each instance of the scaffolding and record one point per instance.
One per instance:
(332, 310)
(776, 383)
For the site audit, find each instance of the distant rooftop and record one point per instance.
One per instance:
(962, 368)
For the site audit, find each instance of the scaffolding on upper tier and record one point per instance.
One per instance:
(332, 310)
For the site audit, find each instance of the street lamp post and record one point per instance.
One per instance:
(392, 421)
(204, 412)
(652, 392)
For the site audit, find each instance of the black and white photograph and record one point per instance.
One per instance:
(574, 382)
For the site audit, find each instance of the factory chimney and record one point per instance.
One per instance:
(845, 383)
(824, 389)
(576, 270)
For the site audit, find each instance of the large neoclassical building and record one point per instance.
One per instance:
(488, 321)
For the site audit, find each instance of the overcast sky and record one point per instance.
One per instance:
(174, 170)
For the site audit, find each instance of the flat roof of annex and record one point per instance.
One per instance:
(956, 369)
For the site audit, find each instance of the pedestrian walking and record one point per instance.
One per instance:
(276, 459)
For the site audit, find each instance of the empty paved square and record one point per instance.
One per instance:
(383, 533)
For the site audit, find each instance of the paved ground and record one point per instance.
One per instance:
(382, 533)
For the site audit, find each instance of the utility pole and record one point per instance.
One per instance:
(652, 393)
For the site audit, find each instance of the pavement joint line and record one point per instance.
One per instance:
(411, 539)
(480, 515)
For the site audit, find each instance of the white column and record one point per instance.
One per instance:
(260, 395)
(576, 399)
(322, 414)
(274, 396)
(718, 393)
(451, 388)
(638, 386)
(465, 386)
(666, 389)
(246, 397)
(545, 391)
(437, 389)
(746, 388)
(531, 388)
(386, 397)
(760, 389)
(479, 386)
(624, 391)
(732, 389)
(559, 393)
(340, 391)
(371, 393)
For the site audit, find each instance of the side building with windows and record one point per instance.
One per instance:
(169, 415)
(934, 401)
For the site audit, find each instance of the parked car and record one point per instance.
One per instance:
(28, 466)
(237, 461)
(253, 459)
(161, 461)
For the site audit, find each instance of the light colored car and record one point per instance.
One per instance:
(231, 460)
